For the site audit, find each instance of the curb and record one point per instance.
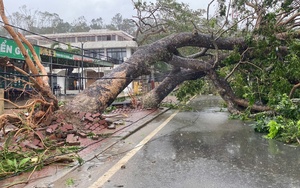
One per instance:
(144, 121)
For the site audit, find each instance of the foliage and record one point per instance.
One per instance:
(274, 129)
(267, 73)
(110, 109)
(80, 25)
(70, 182)
(190, 88)
(61, 103)
(13, 162)
(161, 67)
(15, 159)
(285, 125)
(90, 134)
(97, 23)
(264, 71)
(118, 23)
(287, 108)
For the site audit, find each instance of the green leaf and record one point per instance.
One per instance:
(273, 129)
(15, 163)
(24, 161)
(10, 162)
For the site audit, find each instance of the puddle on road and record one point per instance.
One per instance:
(210, 135)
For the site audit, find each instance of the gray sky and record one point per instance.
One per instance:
(70, 10)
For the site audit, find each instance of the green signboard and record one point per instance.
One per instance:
(55, 53)
(10, 49)
(64, 55)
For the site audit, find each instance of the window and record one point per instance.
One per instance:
(95, 53)
(117, 55)
(120, 38)
(101, 38)
(61, 39)
(71, 39)
(86, 38)
(106, 37)
(81, 39)
(66, 39)
(90, 38)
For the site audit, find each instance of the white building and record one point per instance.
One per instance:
(108, 45)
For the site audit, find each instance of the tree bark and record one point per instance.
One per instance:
(176, 77)
(293, 90)
(233, 102)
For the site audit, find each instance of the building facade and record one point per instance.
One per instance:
(111, 45)
(55, 61)
(107, 45)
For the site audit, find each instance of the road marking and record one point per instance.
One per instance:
(103, 179)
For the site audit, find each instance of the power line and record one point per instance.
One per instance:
(56, 41)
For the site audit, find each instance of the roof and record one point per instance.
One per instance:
(92, 32)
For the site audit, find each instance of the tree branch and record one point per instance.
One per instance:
(293, 90)
(37, 60)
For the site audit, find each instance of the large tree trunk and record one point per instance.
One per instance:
(103, 92)
(176, 77)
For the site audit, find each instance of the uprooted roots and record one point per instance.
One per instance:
(35, 111)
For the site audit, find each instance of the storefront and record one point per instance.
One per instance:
(66, 71)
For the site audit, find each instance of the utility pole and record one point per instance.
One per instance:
(152, 78)
(81, 76)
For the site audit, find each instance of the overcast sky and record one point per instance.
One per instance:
(70, 10)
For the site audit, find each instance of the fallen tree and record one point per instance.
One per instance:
(252, 60)
(240, 67)
(103, 92)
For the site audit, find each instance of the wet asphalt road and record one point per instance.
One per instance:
(202, 148)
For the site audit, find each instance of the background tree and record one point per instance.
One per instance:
(47, 23)
(97, 23)
(80, 25)
(3, 32)
(50, 23)
(38, 22)
(62, 27)
(25, 18)
(118, 23)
